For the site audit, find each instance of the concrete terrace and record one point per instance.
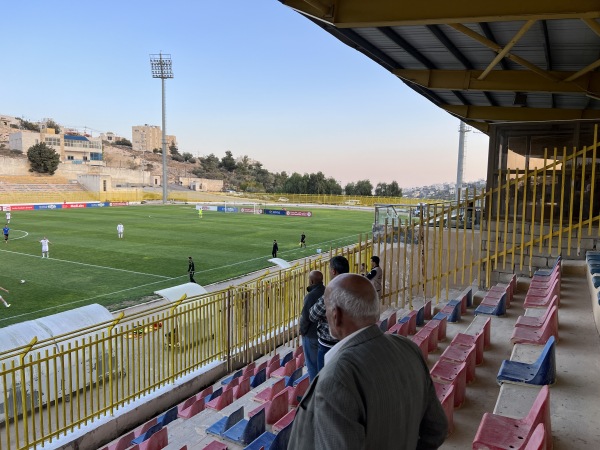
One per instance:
(575, 423)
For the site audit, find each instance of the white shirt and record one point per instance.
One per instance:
(337, 347)
(44, 243)
(120, 228)
(8, 216)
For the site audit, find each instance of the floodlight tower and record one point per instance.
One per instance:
(162, 68)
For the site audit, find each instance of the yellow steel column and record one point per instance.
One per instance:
(593, 180)
(498, 190)
(506, 214)
(562, 199)
(515, 208)
(582, 191)
(542, 220)
(488, 207)
(571, 199)
(552, 191)
(523, 217)
(532, 225)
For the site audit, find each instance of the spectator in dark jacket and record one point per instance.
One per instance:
(308, 329)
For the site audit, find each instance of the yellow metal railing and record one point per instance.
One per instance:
(49, 388)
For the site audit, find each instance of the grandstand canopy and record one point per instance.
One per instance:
(483, 62)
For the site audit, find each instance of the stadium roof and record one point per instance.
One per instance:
(484, 62)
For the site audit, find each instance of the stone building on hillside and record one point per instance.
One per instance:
(148, 137)
(73, 149)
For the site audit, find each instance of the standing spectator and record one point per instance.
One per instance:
(5, 231)
(200, 213)
(308, 329)
(375, 391)
(8, 216)
(337, 266)
(45, 247)
(120, 229)
(302, 240)
(275, 249)
(2, 300)
(376, 274)
(191, 269)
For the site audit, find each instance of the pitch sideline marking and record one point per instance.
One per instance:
(141, 285)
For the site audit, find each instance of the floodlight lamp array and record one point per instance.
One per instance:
(161, 66)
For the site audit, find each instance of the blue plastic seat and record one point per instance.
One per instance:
(383, 325)
(168, 417)
(541, 372)
(142, 437)
(214, 395)
(286, 359)
(421, 316)
(498, 309)
(232, 377)
(225, 423)
(258, 379)
(291, 380)
(246, 431)
(270, 441)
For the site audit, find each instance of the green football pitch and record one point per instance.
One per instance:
(89, 264)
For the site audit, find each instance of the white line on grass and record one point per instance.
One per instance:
(88, 265)
(143, 285)
(20, 237)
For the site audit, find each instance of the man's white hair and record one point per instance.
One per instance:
(355, 295)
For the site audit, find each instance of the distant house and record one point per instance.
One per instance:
(74, 149)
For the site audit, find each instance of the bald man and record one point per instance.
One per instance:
(308, 329)
(375, 391)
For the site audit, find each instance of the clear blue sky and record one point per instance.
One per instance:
(252, 77)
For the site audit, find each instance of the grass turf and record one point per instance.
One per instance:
(89, 264)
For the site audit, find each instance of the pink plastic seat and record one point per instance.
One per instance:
(392, 320)
(274, 409)
(267, 394)
(284, 421)
(538, 322)
(411, 318)
(215, 445)
(498, 290)
(467, 340)
(223, 400)
(431, 335)
(203, 393)
(443, 320)
(541, 301)
(500, 432)
(249, 369)
(157, 441)
(445, 394)
(537, 336)
(434, 326)
(537, 441)
(272, 367)
(286, 370)
(192, 410)
(123, 443)
(449, 372)
(298, 391)
(298, 351)
(300, 360)
(400, 329)
(427, 310)
(186, 403)
(261, 366)
(460, 354)
(242, 388)
(423, 343)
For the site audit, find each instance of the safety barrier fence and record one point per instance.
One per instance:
(51, 388)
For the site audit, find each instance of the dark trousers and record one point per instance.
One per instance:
(323, 349)
(192, 277)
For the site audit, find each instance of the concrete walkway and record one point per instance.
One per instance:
(574, 398)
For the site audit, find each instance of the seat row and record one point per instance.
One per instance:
(153, 435)
(533, 365)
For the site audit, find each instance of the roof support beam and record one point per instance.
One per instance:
(382, 13)
(500, 56)
(492, 45)
(502, 81)
(516, 114)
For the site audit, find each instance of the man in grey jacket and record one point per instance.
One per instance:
(375, 391)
